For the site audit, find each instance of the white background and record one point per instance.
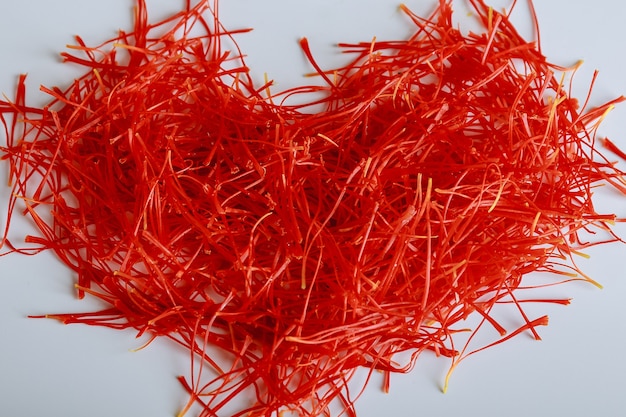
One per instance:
(46, 368)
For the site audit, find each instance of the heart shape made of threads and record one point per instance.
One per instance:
(441, 170)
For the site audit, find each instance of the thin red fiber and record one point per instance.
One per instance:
(441, 170)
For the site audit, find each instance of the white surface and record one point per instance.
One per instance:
(49, 369)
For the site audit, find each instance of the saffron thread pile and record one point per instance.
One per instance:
(199, 206)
